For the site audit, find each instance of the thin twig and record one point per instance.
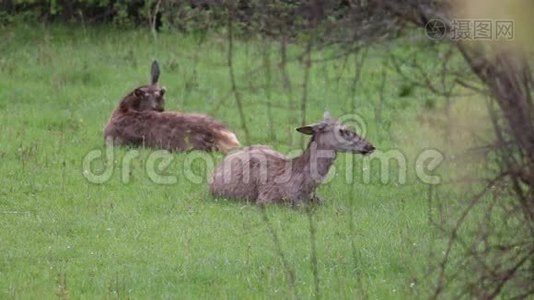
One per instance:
(454, 236)
(266, 55)
(290, 274)
(154, 19)
(286, 83)
(305, 83)
(232, 77)
(313, 251)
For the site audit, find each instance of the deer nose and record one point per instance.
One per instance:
(157, 108)
(369, 148)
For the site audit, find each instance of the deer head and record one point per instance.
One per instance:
(147, 97)
(330, 134)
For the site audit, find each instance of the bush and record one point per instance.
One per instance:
(96, 11)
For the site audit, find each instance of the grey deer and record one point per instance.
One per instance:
(262, 175)
(141, 120)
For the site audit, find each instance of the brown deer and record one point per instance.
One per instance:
(140, 120)
(262, 175)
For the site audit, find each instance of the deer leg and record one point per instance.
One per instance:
(316, 199)
(263, 199)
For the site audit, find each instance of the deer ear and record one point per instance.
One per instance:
(312, 128)
(306, 130)
(154, 73)
(139, 92)
(327, 116)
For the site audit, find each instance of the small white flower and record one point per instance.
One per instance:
(412, 285)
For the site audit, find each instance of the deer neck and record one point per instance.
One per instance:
(314, 164)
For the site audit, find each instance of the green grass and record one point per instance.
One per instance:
(64, 236)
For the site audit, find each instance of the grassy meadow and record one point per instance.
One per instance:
(63, 236)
